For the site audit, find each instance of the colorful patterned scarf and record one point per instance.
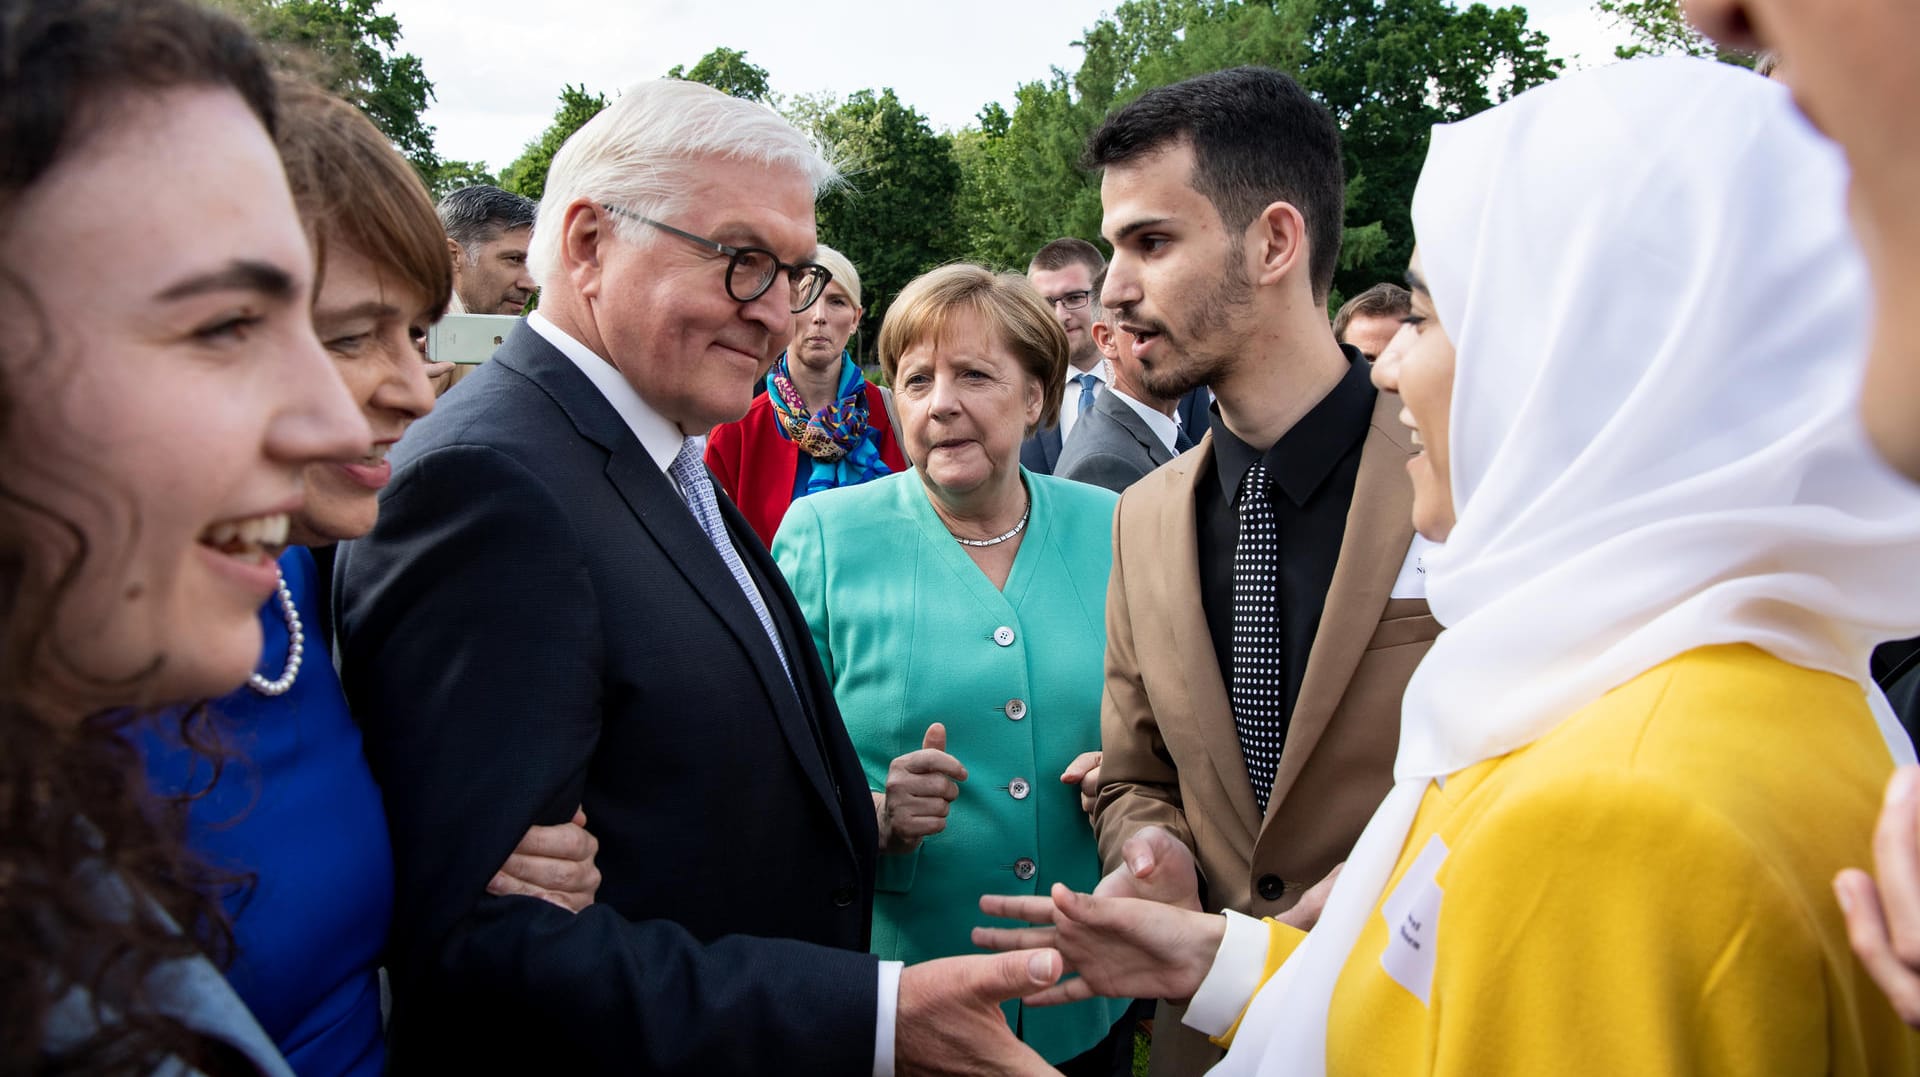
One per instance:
(845, 447)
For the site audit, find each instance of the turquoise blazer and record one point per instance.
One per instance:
(912, 632)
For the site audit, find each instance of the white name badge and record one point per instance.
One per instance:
(1412, 581)
(1412, 913)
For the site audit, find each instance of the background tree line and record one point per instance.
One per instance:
(999, 188)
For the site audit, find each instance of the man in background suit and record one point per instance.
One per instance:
(1063, 272)
(557, 609)
(1130, 430)
(1264, 611)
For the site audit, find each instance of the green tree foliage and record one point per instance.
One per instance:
(352, 49)
(980, 154)
(527, 175)
(1388, 70)
(453, 175)
(1391, 70)
(1659, 28)
(728, 71)
(894, 219)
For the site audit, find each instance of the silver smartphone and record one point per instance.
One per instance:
(468, 339)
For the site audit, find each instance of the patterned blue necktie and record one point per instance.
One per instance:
(1257, 704)
(689, 470)
(1087, 382)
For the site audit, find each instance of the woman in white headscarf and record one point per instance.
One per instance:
(1648, 738)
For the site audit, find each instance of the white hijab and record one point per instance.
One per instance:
(1660, 324)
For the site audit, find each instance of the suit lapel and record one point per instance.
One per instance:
(658, 507)
(1378, 534)
(1189, 642)
(807, 730)
(1136, 427)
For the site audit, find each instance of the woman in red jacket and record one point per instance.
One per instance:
(819, 425)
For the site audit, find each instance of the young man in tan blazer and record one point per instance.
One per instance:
(1265, 607)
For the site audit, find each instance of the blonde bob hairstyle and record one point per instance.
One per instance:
(926, 309)
(843, 272)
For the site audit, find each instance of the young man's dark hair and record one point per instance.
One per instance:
(1257, 138)
(473, 216)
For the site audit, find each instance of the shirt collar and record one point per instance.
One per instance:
(1164, 427)
(1306, 454)
(660, 437)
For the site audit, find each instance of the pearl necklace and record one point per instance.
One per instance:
(998, 539)
(296, 645)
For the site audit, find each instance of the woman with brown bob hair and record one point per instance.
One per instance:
(960, 609)
(299, 817)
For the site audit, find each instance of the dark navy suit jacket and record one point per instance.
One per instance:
(536, 623)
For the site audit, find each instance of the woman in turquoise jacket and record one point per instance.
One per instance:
(960, 608)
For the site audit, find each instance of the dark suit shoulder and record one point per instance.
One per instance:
(1107, 470)
(496, 406)
(1041, 452)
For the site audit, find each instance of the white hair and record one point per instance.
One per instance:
(842, 269)
(642, 153)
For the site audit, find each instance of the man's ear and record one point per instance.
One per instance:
(1277, 244)
(583, 228)
(1104, 339)
(456, 255)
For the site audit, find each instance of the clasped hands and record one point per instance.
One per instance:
(1140, 934)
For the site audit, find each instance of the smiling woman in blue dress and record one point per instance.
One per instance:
(293, 817)
(960, 608)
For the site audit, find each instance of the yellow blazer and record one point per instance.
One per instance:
(1172, 755)
(1644, 890)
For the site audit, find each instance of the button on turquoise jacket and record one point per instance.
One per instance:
(912, 632)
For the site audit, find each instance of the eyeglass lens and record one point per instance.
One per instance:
(753, 271)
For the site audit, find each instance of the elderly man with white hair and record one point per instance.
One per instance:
(557, 611)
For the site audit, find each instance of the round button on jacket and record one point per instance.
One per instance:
(1016, 709)
(1023, 868)
(1003, 636)
(1019, 788)
(1271, 886)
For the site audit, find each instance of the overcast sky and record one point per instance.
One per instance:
(498, 65)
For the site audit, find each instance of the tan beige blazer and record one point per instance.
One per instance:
(1172, 755)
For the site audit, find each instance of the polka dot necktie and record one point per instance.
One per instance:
(1256, 694)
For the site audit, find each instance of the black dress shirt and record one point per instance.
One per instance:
(1314, 466)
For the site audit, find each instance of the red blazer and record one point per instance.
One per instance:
(757, 466)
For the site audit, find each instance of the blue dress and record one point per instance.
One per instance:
(297, 810)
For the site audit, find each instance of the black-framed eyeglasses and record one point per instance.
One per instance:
(752, 270)
(1072, 300)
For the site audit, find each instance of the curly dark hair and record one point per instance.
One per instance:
(74, 808)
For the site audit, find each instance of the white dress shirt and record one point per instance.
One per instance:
(1164, 427)
(662, 440)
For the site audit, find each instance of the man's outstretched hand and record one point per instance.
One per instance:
(950, 1024)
